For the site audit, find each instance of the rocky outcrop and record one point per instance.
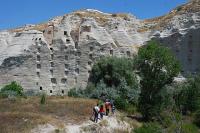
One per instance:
(58, 55)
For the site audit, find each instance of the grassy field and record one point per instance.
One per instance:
(21, 115)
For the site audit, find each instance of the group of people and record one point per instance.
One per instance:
(99, 112)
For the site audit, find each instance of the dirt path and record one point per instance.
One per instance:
(109, 124)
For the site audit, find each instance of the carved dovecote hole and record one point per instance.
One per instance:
(78, 62)
(66, 72)
(38, 66)
(51, 91)
(52, 56)
(90, 56)
(77, 70)
(39, 50)
(89, 63)
(128, 53)
(51, 64)
(53, 80)
(65, 33)
(63, 92)
(41, 88)
(38, 58)
(76, 45)
(64, 81)
(111, 52)
(38, 74)
(49, 32)
(51, 71)
(68, 41)
(40, 39)
(66, 57)
(91, 48)
(51, 49)
(66, 66)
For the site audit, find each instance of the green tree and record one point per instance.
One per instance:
(157, 67)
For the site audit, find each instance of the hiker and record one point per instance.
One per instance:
(112, 106)
(107, 106)
(96, 113)
(101, 111)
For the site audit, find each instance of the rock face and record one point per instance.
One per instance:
(58, 55)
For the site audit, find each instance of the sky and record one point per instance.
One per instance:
(16, 13)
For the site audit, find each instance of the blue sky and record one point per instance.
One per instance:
(14, 13)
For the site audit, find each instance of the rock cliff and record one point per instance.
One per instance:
(58, 55)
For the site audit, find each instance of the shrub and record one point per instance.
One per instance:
(12, 89)
(43, 99)
(121, 103)
(149, 128)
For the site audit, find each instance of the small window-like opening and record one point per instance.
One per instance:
(68, 40)
(51, 49)
(38, 66)
(40, 87)
(77, 70)
(89, 63)
(128, 53)
(78, 62)
(66, 66)
(53, 80)
(65, 47)
(39, 50)
(66, 57)
(43, 31)
(63, 91)
(91, 48)
(38, 74)
(35, 38)
(111, 52)
(51, 64)
(79, 53)
(65, 33)
(40, 39)
(51, 71)
(63, 80)
(38, 58)
(66, 73)
(90, 56)
(49, 32)
(51, 91)
(76, 45)
(116, 27)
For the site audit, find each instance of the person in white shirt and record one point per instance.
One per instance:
(96, 113)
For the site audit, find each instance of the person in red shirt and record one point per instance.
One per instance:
(101, 111)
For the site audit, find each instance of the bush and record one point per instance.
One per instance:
(12, 89)
(189, 128)
(43, 99)
(149, 128)
(121, 103)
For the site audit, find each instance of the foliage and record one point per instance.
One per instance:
(112, 69)
(197, 118)
(188, 98)
(43, 99)
(12, 89)
(149, 128)
(157, 67)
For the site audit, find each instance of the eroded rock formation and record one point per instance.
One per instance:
(58, 55)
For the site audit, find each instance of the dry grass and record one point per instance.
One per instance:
(22, 115)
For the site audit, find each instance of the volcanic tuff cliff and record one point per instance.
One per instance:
(58, 55)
